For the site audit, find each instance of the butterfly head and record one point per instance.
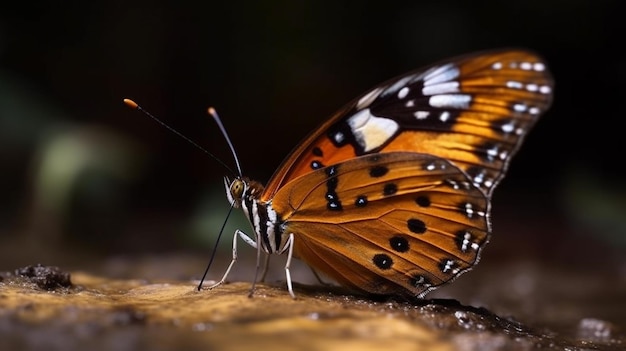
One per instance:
(235, 189)
(241, 189)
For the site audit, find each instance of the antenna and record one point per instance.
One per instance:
(130, 103)
(214, 252)
(217, 119)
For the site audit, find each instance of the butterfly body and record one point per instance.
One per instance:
(392, 194)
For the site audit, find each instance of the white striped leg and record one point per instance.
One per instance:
(266, 265)
(247, 240)
(289, 244)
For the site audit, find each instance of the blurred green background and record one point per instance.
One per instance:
(86, 181)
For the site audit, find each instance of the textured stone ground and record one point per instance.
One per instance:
(46, 308)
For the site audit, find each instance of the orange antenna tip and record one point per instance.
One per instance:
(130, 103)
(211, 111)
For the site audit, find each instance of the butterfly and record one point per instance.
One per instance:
(392, 194)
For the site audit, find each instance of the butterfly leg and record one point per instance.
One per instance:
(319, 279)
(245, 238)
(266, 265)
(289, 245)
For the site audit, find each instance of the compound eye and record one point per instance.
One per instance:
(236, 188)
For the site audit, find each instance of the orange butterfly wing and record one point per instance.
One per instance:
(394, 223)
(473, 110)
(391, 195)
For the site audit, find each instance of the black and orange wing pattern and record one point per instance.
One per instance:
(392, 194)
(473, 110)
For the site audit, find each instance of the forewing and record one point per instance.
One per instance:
(472, 110)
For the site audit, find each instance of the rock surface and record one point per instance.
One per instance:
(97, 313)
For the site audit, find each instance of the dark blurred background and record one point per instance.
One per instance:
(86, 181)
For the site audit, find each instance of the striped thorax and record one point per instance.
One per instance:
(244, 193)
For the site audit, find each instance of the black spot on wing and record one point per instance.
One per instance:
(390, 189)
(422, 201)
(399, 243)
(382, 261)
(378, 171)
(416, 226)
(361, 201)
